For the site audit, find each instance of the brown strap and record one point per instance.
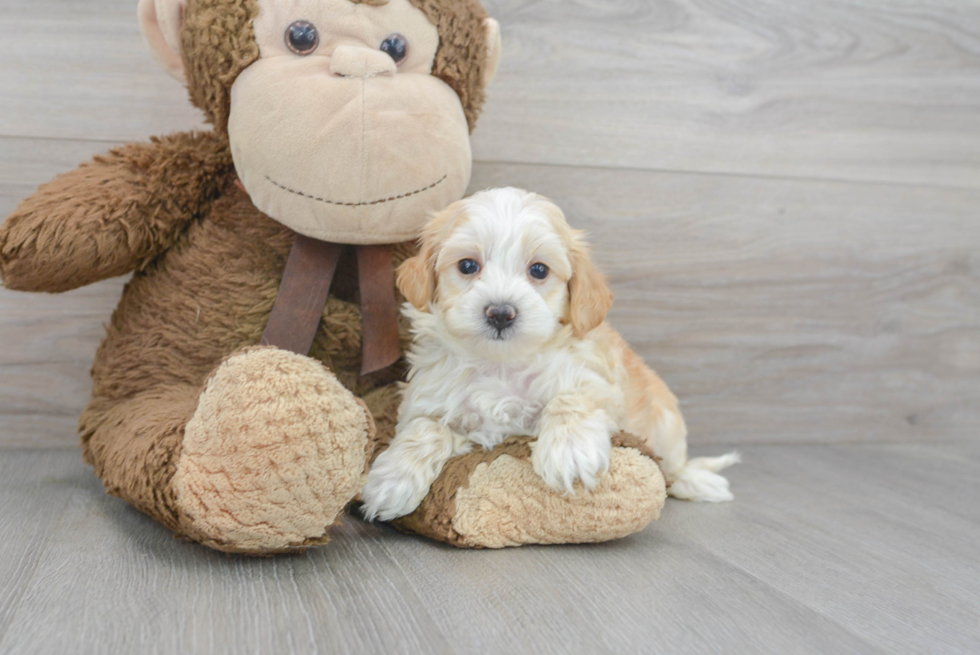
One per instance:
(379, 310)
(303, 292)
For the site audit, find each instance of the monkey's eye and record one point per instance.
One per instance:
(396, 46)
(538, 271)
(302, 37)
(469, 267)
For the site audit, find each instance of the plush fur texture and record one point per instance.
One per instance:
(113, 215)
(218, 43)
(556, 372)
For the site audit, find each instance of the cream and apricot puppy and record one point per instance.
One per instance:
(508, 319)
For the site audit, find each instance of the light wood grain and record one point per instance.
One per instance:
(877, 539)
(80, 70)
(827, 549)
(34, 491)
(862, 89)
(625, 597)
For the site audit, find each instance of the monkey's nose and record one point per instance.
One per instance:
(360, 62)
(501, 317)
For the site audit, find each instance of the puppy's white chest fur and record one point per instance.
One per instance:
(498, 401)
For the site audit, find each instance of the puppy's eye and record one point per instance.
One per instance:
(302, 37)
(538, 271)
(469, 267)
(396, 47)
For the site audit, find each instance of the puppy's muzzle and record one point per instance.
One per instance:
(501, 317)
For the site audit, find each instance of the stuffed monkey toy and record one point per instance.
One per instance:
(249, 374)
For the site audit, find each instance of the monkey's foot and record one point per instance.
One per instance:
(495, 499)
(273, 454)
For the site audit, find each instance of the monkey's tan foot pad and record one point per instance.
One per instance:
(495, 499)
(273, 454)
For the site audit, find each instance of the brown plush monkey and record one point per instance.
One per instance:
(343, 121)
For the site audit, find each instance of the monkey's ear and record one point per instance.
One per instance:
(160, 21)
(494, 47)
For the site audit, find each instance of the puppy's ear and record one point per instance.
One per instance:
(590, 298)
(416, 277)
(417, 280)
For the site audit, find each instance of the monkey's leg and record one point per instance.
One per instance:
(263, 461)
(495, 499)
(134, 446)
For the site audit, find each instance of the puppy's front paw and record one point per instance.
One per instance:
(391, 491)
(562, 456)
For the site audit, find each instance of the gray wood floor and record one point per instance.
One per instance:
(867, 548)
(786, 195)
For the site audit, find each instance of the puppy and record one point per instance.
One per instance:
(508, 319)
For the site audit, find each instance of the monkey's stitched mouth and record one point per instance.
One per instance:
(358, 204)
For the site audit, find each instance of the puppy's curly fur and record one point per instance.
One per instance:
(510, 338)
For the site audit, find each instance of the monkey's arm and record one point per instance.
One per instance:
(113, 214)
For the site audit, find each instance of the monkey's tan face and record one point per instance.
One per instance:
(339, 131)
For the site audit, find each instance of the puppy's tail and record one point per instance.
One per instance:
(699, 479)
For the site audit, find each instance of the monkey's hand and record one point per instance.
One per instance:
(112, 215)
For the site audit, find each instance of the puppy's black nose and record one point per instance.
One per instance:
(501, 317)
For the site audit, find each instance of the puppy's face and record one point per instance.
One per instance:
(504, 272)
